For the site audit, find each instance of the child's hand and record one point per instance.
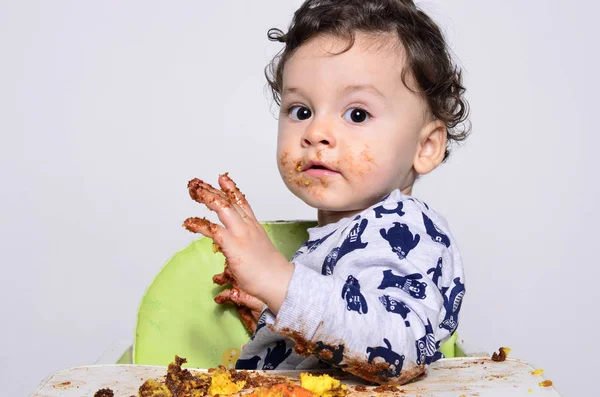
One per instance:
(254, 263)
(249, 308)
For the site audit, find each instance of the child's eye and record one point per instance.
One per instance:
(356, 115)
(300, 113)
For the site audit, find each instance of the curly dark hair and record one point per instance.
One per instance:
(428, 58)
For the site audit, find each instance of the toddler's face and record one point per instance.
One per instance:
(349, 127)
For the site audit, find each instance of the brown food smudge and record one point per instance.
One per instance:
(386, 388)
(104, 393)
(373, 372)
(500, 356)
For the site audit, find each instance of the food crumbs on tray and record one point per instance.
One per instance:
(501, 355)
(282, 390)
(223, 384)
(221, 381)
(104, 393)
(153, 388)
(323, 385)
(538, 371)
(386, 388)
(546, 383)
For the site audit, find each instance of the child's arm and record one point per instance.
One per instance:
(376, 315)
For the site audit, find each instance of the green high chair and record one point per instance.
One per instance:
(177, 314)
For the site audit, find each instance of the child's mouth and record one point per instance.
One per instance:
(319, 170)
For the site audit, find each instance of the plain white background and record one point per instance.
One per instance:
(108, 108)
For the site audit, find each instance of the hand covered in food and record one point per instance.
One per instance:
(251, 258)
(248, 307)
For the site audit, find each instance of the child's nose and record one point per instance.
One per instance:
(319, 132)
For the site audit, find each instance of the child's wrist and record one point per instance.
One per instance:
(275, 284)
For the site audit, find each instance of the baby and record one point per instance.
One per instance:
(370, 100)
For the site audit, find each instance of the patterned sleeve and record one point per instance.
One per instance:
(388, 294)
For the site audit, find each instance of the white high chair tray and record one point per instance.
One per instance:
(452, 377)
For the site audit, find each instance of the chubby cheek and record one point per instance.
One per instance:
(370, 174)
(358, 163)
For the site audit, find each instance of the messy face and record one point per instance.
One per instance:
(349, 127)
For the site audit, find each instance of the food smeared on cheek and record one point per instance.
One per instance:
(366, 157)
(291, 170)
(283, 160)
(361, 163)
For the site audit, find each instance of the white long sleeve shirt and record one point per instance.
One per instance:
(375, 295)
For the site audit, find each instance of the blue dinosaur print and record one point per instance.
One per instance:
(408, 284)
(314, 244)
(400, 239)
(437, 355)
(436, 234)
(296, 255)
(385, 197)
(249, 363)
(262, 322)
(337, 354)
(351, 243)
(395, 360)
(452, 305)
(394, 306)
(427, 346)
(276, 356)
(379, 211)
(419, 201)
(436, 272)
(354, 298)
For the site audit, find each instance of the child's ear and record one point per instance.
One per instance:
(431, 147)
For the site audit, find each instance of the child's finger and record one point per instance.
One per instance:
(230, 188)
(196, 183)
(247, 318)
(243, 299)
(223, 297)
(224, 278)
(222, 206)
(204, 227)
(240, 298)
(248, 307)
